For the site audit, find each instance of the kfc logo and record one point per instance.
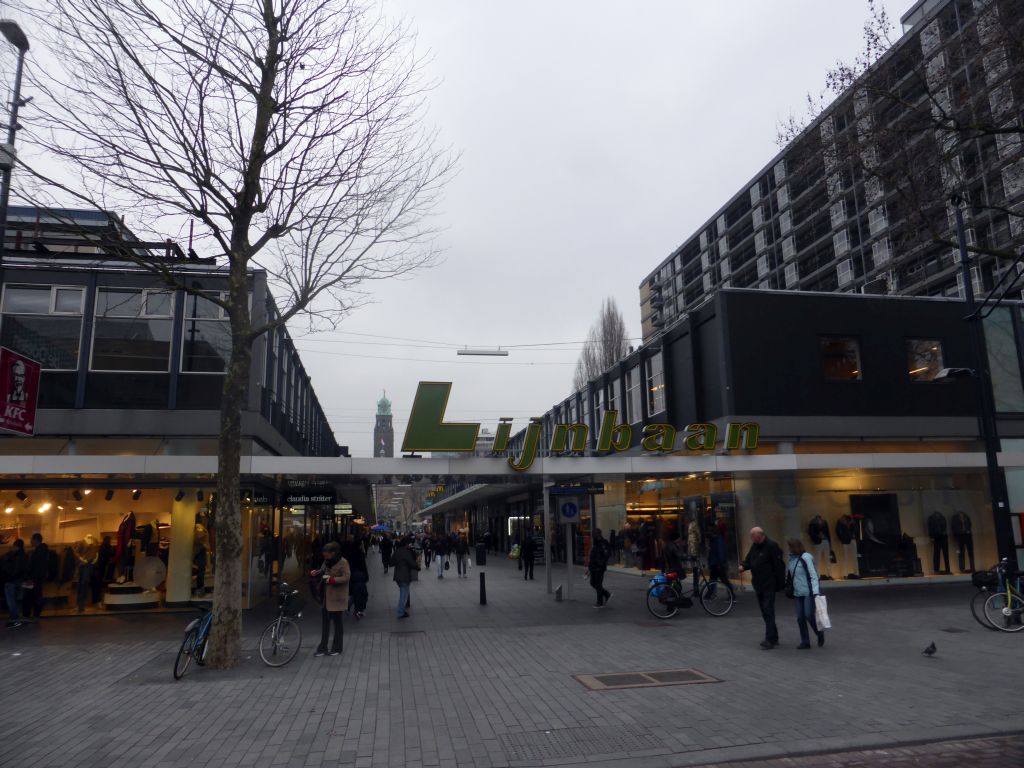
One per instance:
(19, 385)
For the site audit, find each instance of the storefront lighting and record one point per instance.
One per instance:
(136, 494)
(8, 510)
(60, 507)
(79, 509)
(109, 495)
(44, 507)
(87, 491)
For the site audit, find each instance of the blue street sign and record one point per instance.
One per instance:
(570, 512)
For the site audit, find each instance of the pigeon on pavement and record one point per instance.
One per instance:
(929, 651)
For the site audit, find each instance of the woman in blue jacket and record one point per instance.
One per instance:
(805, 587)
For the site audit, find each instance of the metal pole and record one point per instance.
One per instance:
(568, 561)
(549, 560)
(986, 404)
(12, 129)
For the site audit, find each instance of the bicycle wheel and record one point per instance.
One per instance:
(280, 642)
(1005, 612)
(184, 657)
(716, 598)
(662, 601)
(978, 608)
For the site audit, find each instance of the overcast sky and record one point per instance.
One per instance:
(595, 138)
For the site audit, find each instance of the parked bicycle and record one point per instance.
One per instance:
(282, 638)
(987, 582)
(1004, 608)
(669, 592)
(194, 644)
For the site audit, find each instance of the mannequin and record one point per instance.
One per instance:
(821, 547)
(693, 539)
(846, 533)
(122, 552)
(87, 552)
(940, 540)
(962, 532)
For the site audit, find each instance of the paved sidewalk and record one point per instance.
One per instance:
(460, 684)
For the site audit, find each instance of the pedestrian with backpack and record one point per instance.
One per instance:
(600, 552)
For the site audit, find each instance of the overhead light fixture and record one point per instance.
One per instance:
(179, 495)
(109, 494)
(8, 510)
(44, 507)
(60, 507)
(21, 495)
(87, 491)
(78, 509)
(76, 495)
(136, 494)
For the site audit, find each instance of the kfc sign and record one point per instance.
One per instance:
(19, 392)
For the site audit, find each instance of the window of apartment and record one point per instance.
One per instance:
(755, 193)
(132, 331)
(725, 267)
(924, 359)
(792, 275)
(760, 241)
(705, 259)
(840, 358)
(706, 281)
(881, 252)
(44, 323)
(633, 389)
(844, 272)
(788, 248)
(762, 266)
(782, 193)
(655, 384)
(786, 221)
(780, 171)
(723, 245)
(841, 242)
(206, 336)
(757, 216)
(877, 220)
(613, 395)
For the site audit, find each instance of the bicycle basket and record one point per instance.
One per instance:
(985, 579)
(294, 605)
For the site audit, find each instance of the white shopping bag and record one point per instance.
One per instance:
(821, 612)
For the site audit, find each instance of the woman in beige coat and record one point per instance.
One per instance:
(335, 573)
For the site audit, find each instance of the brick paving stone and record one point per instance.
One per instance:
(460, 677)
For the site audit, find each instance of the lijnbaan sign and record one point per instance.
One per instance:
(428, 431)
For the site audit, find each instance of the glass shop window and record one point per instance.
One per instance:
(840, 358)
(924, 359)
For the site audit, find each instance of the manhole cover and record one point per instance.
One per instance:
(532, 747)
(615, 681)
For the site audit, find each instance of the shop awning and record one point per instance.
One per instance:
(472, 495)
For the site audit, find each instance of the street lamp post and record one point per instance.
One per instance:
(986, 404)
(16, 37)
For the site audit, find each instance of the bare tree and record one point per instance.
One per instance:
(289, 131)
(926, 122)
(606, 344)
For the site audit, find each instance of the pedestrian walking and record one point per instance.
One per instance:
(462, 556)
(14, 567)
(405, 565)
(358, 592)
(528, 554)
(35, 576)
(768, 576)
(428, 550)
(441, 553)
(804, 578)
(386, 550)
(598, 564)
(335, 574)
(675, 554)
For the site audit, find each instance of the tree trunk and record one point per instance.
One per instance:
(226, 633)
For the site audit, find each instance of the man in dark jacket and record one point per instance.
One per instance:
(528, 554)
(768, 576)
(385, 551)
(14, 567)
(405, 563)
(600, 551)
(38, 570)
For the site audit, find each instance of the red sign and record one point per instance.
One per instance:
(19, 392)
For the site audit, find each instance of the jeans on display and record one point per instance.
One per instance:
(86, 572)
(527, 568)
(462, 561)
(597, 582)
(850, 564)
(766, 602)
(804, 607)
(403, 599)
(940, 544)
(331, 617)
(964, 546)
(11, 595)
(821, 557)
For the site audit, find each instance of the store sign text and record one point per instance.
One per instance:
(428, 431)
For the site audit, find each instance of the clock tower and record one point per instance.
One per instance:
(383, 431)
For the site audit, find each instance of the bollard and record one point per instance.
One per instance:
(483, 589)
(558, 593)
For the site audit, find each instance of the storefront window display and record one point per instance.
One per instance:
(864, 525)
(113, 549)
